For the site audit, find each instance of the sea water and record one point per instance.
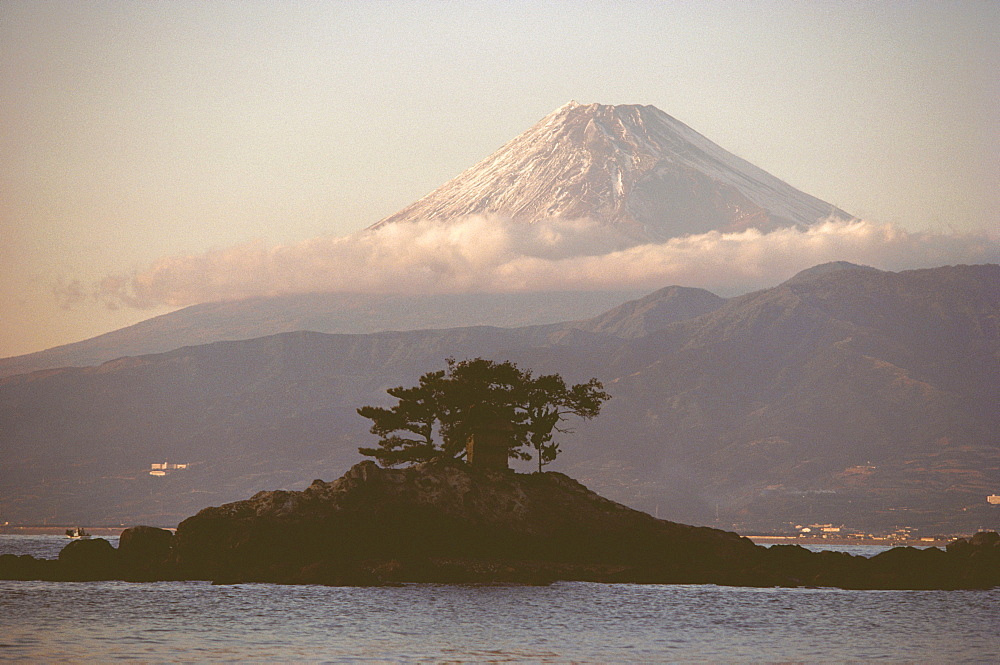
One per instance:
(563, 622)
(39, 546)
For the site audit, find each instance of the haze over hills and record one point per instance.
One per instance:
(629, 166)
(638, 318)
(351, 313)
(845, 395)
(837, 393)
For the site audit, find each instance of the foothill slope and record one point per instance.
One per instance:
(853, 396)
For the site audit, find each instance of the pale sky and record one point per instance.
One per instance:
(135, 134)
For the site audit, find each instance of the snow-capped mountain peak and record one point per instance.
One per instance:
(630, 166)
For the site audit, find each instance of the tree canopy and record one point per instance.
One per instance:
(436, 417)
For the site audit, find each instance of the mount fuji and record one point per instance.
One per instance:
(632, 168)
(629, 166)
(845, 394)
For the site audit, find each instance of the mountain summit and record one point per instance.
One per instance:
(630, 166)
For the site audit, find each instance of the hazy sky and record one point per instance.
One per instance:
(155, 138)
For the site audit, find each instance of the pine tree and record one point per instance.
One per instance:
(436, 417)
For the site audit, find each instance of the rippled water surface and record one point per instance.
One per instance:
(40, 547)
(193, 621)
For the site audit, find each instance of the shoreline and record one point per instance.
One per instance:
(98, 531)
(115, 531)
(820, 540)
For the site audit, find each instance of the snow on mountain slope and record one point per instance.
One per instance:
(633, 167)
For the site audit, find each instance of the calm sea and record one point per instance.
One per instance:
(564, 622)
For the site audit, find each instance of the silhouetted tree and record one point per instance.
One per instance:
(436, 417)
(548, 401)
(406, 430)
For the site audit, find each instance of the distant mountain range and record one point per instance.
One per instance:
(630, 167)
(844, 395)
(351, 313)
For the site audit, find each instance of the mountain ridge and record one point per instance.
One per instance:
(791, 403)
(630, 167)
(344, 313)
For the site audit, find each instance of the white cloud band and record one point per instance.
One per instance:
(496, 255)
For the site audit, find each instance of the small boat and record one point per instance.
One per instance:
(78, 532)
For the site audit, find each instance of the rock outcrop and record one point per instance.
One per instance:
(444, 521)
(144, 552)
(141, 556)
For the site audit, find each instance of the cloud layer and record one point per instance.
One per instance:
(481, 254)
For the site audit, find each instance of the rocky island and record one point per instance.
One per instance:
(447, 522)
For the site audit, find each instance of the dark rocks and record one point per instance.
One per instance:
(89, 560)
(144, 545)
(144, 551)
(446, 522)
(141, 556)
(979, 559)
(27, 567)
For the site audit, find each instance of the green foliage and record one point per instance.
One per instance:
(414, 415)
(548, 401)
(436, 417)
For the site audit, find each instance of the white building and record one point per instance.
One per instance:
(161, 468)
